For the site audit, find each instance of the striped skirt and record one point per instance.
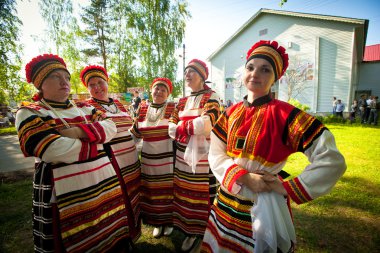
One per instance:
(193, 194)
(127, 165)
(157, 182)
(229, 228)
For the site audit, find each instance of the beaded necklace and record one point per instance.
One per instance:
(107, 108)
(153, 117)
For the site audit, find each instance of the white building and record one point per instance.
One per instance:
(325, 54)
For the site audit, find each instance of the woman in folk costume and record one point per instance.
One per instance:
(157, 158)
(249, 146)
(121, 149)
(77, 199)
(190, 125)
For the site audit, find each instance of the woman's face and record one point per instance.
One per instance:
(258, 77)
(193, 79)
(56, 86)
(159, 93)
(98, 88)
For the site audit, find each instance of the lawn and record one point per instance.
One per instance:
(346, 220)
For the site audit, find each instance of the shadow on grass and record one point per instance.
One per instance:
(163, 244)
(347, 220)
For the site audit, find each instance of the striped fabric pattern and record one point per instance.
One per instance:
(230, 226)
(193, 193)
(89, 194)
(86, 206)
(123, 153)
(157, 162)
(271, 130)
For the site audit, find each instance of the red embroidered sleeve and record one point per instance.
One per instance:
(94, 131)
(232, 174)
(296, 191)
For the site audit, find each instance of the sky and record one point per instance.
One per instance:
(214, 21)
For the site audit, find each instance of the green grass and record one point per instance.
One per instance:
(7, 130)
(346, 220)
(16, 216)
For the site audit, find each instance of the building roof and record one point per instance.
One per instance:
(363, 22)
(372, 53)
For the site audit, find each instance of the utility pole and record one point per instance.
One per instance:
(183, 72)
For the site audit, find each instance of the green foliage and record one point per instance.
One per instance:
(98, 35)
(57, 15)
(177, 89)
(297, 104)
(10, 52)
(282, 2)
(136, 40)
(8, 130)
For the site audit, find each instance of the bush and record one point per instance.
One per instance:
(297, 104)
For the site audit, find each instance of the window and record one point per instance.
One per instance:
(263, 32)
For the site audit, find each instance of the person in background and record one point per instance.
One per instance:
(136, 101)
(354, 109)
(190, 125)
(157, 158)
(373, 114)
(10, 116)
(362, 108)
(121, 149)
(339, 108)
(222, 106)
(77, 196)
(334, 105)
(229, 103)
(250, 144)
(368, 109)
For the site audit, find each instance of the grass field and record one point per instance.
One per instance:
(346, 220)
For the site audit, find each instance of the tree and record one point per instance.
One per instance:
(282, 2)
(99, 24)
(296, 77)
(124, 48)
(73, 56)
(160, 29)
(58, 14)
(10, 58)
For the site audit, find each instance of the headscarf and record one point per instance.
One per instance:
(41, 66)
(270, 50)
(164, 81)
(200, 67)
(93, 71)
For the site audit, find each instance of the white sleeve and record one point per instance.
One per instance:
(326, 166)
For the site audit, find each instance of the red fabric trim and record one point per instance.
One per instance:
(94, 131)
(296, 191)
(188, 118)
(93, 150)
(90, 135)
(83, 151)
(232, 174)
(181, 129)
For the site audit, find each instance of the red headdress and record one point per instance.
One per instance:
(41, 66)
(200, 67)
(272, 52)
(93, 71)
(164, 81)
